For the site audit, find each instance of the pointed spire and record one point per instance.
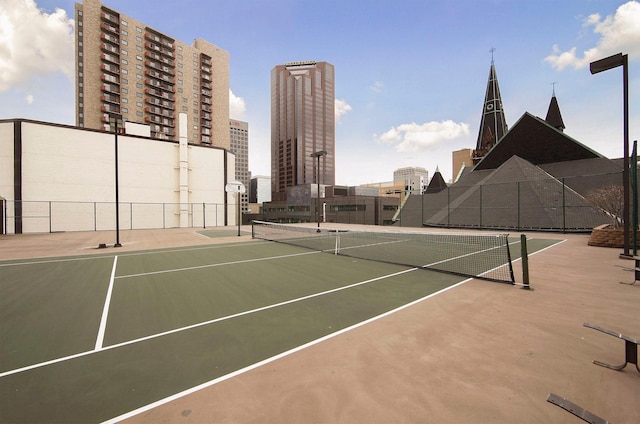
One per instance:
(554, 117)
(437, 183)
(492, 124)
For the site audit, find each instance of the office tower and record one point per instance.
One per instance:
(492, 124)
(302, 123)
(260, 191)
(239, 145)
(125, 68)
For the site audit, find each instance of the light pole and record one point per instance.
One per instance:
(114, 120)
(317, 155)
(604, 65)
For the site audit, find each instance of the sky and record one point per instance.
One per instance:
(410, 75)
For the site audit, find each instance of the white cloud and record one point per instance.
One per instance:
(341, 108)
(419, 137)
(618, 33)
(377, 87)
(237, 106)
(33, 43)
(29, 99)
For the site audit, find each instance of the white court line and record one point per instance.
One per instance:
(244, 261)
(146, 252)
(274, 358)
(189, 327)
(105, 310)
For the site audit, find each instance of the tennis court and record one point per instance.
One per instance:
(90, 338)
(102, 337)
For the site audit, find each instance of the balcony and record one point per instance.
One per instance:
(110, 98)
(109, 28)
(110, 38)
(110, 48)
(110, 68)
(110, 18)
(111, 88)
(110, 78)
(160, 103)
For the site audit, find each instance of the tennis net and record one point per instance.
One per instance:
(484, 256)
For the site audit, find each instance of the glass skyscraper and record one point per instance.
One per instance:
(302, 123)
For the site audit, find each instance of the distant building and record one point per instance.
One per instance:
(415, 178)
(302, 123)
(260, 189)
(126, 68)
(239, 145)
(461, 159)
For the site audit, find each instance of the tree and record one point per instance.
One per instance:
(611, 200)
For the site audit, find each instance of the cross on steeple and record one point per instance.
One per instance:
(553, 90)
(493, 49)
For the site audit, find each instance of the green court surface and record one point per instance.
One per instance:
(89, 339)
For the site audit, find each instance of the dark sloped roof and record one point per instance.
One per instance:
(537, 142)
(436, 184)
(554, 117)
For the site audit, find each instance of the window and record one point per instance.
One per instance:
(124, 23)
(125, 110)
(124, 61)
(139, 57)
(139, 30)
(124, 32)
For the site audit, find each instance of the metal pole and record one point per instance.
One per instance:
(634, 185)
(318, 194)
(625, 171)
(525, 261)
(117, 194)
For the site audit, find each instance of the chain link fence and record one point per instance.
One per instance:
(58, 216)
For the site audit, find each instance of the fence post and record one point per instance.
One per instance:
(95, 218)
(564, 210)
(525, 262)
(480, 205)
(204, 216)
(164, 217)
(518, 206)
(448, 207)
(50, 216)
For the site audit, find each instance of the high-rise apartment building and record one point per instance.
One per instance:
(126, 68)
(239, 145)
(302, 123)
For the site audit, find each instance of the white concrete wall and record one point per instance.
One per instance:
(6, 160)
(66, 166)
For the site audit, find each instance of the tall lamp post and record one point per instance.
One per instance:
(116, 120)
(604, 65)
(318, 155)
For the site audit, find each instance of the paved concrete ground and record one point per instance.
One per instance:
(479, 353)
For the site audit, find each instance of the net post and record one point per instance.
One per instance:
(253, 229)
(525, 262)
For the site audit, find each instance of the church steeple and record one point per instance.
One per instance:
(554, 118)
(493, 124)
